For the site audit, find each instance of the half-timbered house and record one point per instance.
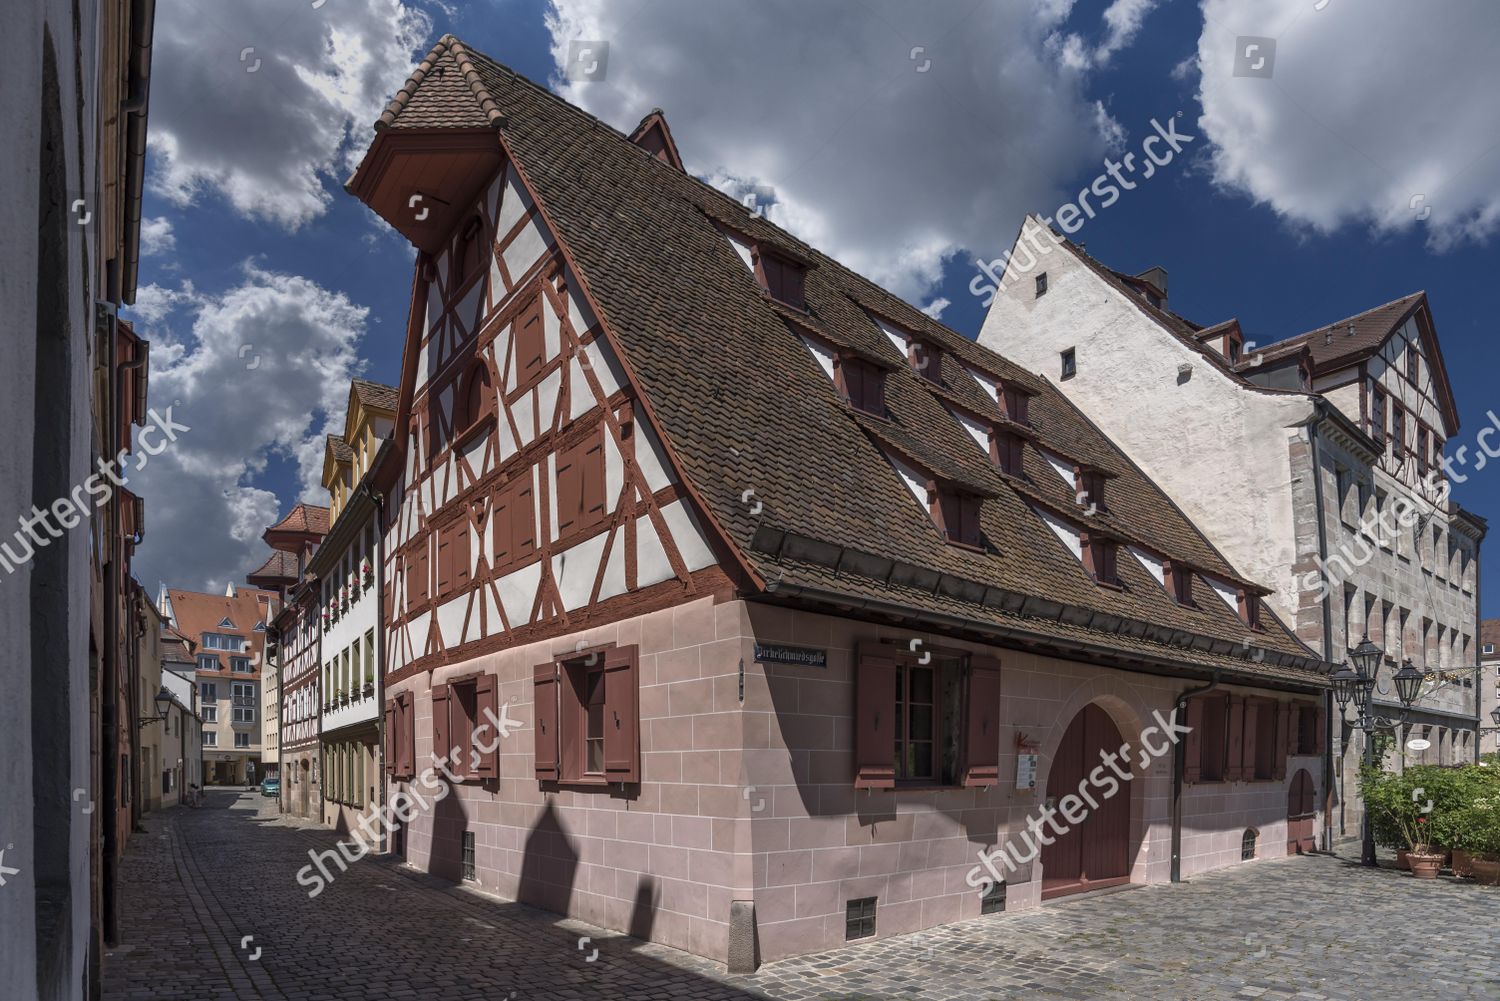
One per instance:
(735, 603)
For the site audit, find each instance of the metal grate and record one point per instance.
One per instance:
(859, 918)
(468, 855)
(1247, 845)
(993, 901)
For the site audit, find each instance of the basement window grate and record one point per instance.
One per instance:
(468, 855)
(1247, 846)
(993, 901)
(859, 918)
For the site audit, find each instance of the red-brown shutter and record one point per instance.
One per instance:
(442, 743)
(445, 552)
(1284, 727)
(982, 726)
(1193, 768)
(544, 706)
(569, 488)
(407, 748)
(523, 520)
(486, 738)
(460, 558)
(1320, 730)
(390, 738)
(875, 720)
(1253, 710)
(622, 742)
(531, 345)
(593, 478)
(1234, 767)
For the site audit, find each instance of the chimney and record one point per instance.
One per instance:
(1156, 277)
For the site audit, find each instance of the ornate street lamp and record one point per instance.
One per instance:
(1408, 682)
(1495, 715)
(1344, 681)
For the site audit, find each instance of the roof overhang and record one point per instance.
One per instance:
(422, 181)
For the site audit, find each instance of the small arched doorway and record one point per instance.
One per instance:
(1301, 815)
(1095, 852)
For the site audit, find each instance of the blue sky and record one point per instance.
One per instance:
(265, 286)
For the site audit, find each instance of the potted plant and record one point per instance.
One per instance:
(366, 573)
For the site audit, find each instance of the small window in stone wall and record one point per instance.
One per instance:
(1247, 845)
(859, 918)
(993, 901)
(468, 855)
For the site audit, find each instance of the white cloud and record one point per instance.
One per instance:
(263, 102)
(1376, 114)
(156, 236)
(890, 135)
(1122, 20)
(935, 308)
(261, 372)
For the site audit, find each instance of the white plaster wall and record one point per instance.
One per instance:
(1229, 473)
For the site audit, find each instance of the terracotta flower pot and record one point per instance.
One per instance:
(1425, 865)
(1403, 860)
(1486, 871)
(1463, 863)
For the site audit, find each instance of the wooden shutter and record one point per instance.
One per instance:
(592, 480)
(1320, 731)
(442, 742)
(1254, 709)
(390, 738)
(622, 743)
(569, 488)
(982, 723)
(416, 574)
(487, 746)
(1234, 767)
(1193, 769)
(531, 344)
(875, 720)
(544, 706)
(445, 559)
(1283, 729)
(407, 746)
(460, 554)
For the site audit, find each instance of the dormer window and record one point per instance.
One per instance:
(861, 383)
(1249, 608)
(1016, 404)
(1100, 555)
(926, 359)
(955, 513)
(781, 277)
(1089, 484)
(1007, 451)
(1069, 363)
(1233, 348)
(1178, 579)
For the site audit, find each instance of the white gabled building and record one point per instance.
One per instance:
(1290, 456)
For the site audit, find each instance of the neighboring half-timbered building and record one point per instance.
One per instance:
(733, 602)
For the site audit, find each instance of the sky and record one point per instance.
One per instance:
(1342, 155)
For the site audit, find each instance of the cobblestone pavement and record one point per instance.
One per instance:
(211, 910)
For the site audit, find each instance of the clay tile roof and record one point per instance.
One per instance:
(375, 395)
(303, 517)
(1333, 344)
(340, 448)
(744, 405)
(279, 566)
(444, 91)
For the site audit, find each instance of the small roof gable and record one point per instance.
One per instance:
(653, 136)
(443, 92)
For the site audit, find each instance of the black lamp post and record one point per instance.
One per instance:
(1357, 684)
(163, 702)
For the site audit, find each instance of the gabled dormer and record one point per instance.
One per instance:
(653, 136)
(780, 272)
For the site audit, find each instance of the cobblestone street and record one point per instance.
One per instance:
(212, 910)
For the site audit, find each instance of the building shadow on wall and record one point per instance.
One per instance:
(549, 865)
(449, 819)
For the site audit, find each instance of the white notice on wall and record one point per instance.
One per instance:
(1026, 770)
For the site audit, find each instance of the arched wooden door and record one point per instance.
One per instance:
(1301, 815)
(1095, 852)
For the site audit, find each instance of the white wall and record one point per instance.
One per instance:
(1217, 447)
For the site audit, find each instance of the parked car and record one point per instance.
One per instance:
(270, 787)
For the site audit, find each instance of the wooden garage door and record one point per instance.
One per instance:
(1095, 853)
(1301, 814)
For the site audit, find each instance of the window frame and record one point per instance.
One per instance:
(559, 688)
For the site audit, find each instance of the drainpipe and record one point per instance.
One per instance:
(1330, 708)
(1179, 766)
